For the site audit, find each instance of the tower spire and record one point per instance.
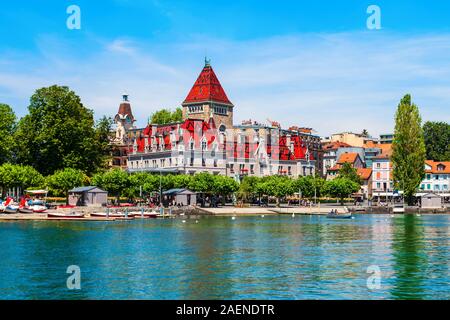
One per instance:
(207, 62)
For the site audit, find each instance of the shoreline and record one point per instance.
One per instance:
(224, 212)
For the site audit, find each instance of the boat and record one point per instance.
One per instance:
(340, 216)
(24, 207)
(116, 215)
(11, 209)
(138, 214)
(72, 215)
(335, 215)
(8, 206)
(38, 208)
(25, 210)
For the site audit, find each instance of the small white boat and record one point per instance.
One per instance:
(72, 215)
(38, 208)
(109, 215)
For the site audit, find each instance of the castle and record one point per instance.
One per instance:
(207, 140)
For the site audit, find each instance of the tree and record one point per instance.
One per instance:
(248, 187)
(340, 188)
(276, 186)
(7, 128)
(59, 132)
(64, 180)
(18, 176)
(202, 182)
(437, 140)
(310, 186)
(365, 133)
(347, 171)
(224, 186)
(408, 149)
(115, 181)
(165, 116)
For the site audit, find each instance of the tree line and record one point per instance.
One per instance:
(132, 186)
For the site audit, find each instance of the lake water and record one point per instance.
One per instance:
(277, 257)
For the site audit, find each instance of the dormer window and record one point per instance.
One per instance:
(440, 167)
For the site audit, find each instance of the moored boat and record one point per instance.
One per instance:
(72, 215)
(24, 207)
(38, 208)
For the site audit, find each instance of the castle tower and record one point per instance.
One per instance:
(208, 99)
(124, 118)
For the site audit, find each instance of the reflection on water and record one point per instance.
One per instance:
(307, 257)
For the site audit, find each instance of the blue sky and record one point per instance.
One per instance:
(307, 63)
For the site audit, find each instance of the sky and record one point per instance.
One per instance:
(306, 63)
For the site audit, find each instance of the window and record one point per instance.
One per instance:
(378, 165)
(252, 168)
(428, 177)
(378, 185)
(204, 145)
(429, 186)
(422, 187)
(436, 187)
(192, 162)
(445, 187)
(232, 168)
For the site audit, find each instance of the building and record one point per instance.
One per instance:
(330, 150)
(208, 141)
(431, 201)
(124, 121)
(352, 158)
(386, 138)
(179, 196)
(88, 196)
(382, 184)
(437, 177)
(366, 178)
(353, 139)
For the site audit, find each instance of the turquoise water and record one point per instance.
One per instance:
(276, 257)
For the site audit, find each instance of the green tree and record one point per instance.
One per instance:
(202, 182)
(437, 140)
(341, 188)
(248, 187)
(408, 149)
(347, 171)
(310, 186)
(59, 132)
(224, 186)
(165, 116)
(64, 180)
(115, 181)
(7, 128)
(18, 176)
(276, 186)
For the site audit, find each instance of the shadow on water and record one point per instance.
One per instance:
(409, 257)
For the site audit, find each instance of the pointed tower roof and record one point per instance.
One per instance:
(207, 88)
(125, 108)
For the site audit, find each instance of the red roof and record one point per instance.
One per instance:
(439, 167)
(364, 173)
(207, 88)
(335, 145)
(348, 158)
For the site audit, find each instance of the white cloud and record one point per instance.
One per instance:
(332, 82)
